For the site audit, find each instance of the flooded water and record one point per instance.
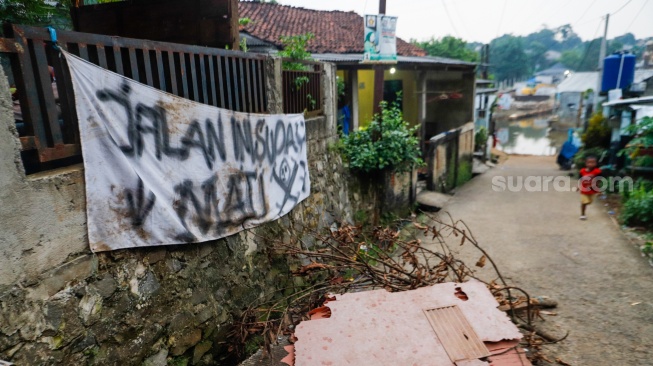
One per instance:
(531, 136)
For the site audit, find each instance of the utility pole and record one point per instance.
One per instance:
(601, 57)
(378, 71)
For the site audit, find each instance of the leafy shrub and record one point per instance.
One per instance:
(581, 155)
(598, 132)
(625, 192)
(294, 48)
(644, 161)
(644, 137)
(638, 208)
(387, 143)
(480, 139)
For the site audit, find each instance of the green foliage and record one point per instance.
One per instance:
(579, 158)
(36, 13)
(643, 132)
(480, 139)
(387, 143)
(340, 84)
(638, 208)
(508, 55)
(464, 172)
(294, 48)
(644, 161)
(244, 21)
(640, 183)
(450, 47)
(243, 45)
(598, 132)
(300, 81)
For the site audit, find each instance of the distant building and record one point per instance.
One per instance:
(437, 93)
(556, 72)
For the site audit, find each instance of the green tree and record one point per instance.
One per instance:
(35, 12)
(450, 47)
(508, 57)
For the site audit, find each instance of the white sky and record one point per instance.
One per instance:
(483, 20)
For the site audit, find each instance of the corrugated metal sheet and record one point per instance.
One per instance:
(358, 57)
(456, 334)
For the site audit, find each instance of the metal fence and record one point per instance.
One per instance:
(46, 118)
(302, 89)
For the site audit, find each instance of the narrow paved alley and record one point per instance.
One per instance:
(603, 286)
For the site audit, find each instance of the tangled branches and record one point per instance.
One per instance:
(348, 259)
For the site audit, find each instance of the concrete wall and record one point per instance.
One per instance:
(449, 158)
(62, 304)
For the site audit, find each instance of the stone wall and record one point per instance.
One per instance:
(62, 304)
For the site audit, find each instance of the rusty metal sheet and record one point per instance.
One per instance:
(456, 334)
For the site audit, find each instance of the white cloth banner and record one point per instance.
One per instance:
(161, 169)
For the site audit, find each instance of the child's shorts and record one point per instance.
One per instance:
(586, 199)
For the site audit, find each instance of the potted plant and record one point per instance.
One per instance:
(383, 157)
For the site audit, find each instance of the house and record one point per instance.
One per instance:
(437, 93)
(571, 95)
(483, 100)
(555, 73)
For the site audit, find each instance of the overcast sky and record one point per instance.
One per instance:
(483, 20)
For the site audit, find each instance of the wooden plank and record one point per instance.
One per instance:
(133, 63)
(261, 79)
(160, 70)
(7, 45)
(212, 81)
(203, 80)
(66, 98)
(194, 79)
(255, 85)
(236, 79)
(228, 78)
(46, 95)
(117, 55)
(83, 51)
(243, 89)
(59, 152)
(28, 95)
(250, 107)
(221, 82)
(148, 67)
(184, 75)
(173, 73)
(102, 56)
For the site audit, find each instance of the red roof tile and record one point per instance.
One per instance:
(335, 31)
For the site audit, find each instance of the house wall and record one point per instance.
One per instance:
(365, 97)
(62, 304)
(366, 94)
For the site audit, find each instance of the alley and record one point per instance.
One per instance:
(603, 285)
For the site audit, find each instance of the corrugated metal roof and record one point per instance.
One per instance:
(642, 100)
(358, 57)
(642, 75)
(579, 82)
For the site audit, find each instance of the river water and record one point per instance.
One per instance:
(530, 136)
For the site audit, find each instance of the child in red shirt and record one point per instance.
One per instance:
(588, 184)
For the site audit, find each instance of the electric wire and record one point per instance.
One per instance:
(446, 10)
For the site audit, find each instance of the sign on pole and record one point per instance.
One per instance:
(380, 39)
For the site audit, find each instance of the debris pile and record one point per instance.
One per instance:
(382, 292)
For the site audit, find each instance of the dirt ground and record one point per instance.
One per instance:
(602, 283)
